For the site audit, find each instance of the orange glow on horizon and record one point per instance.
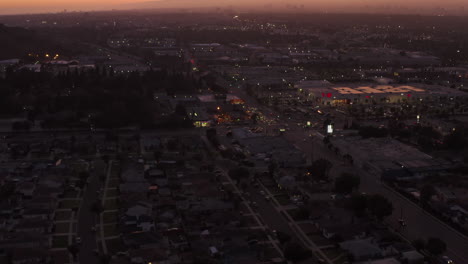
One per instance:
(35, 6)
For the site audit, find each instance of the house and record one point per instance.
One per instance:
(42, 202)
(137, 223)
(23, 240)
(139, 209)
(28, 256)
(445, 195)
(343, 232)
(41, 213)
(210, 205)
(361, 249)
(134, 187)
(148, 255)
(340, 224)
(382, 261)
(155, 173)
(49, 191)
(198, 116)
(26, 189)
(413, 257)
(34, 225)
(177, 238)
(144, 240)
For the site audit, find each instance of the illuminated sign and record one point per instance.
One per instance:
(376, 90)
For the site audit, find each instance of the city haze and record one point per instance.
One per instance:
(433, 7)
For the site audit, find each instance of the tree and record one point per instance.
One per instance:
(379, 206)
(301, 214)
(105, 259)
(157, 155)
(358, 204)
(21, 125)
(272, 168)
(427, 192)
(456, 140)
(84, 175)
(73, 249)
(211, 133)
(418, 244)
(295, 252)
(320, 169)
(346, 183)
(238, 173)
(96, 207)
(435, 246)
(283, 237)
(254, 118)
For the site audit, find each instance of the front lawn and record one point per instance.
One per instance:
(114, 245)
(333, 253)
(62, 228)
(283, 199)
(70, 194)
(111, 230)
(69, 204)
(112, 192)
(113, 183)
(111, 204)
(110, 217)
(62, 215)
(320, 240)
(59, 241)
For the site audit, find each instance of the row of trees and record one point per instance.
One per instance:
(108, 100)
(433, 245)
(374, 205)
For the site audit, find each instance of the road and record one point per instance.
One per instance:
(419, 223)
(87, 219)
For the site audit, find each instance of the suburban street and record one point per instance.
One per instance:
(87, 218)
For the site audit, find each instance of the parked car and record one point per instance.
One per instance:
(446, 260)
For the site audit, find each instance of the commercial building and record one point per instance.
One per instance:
(325, 93)
(390, 158)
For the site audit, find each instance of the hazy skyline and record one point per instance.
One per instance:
(393, 6)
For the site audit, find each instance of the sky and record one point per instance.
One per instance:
(37, 6)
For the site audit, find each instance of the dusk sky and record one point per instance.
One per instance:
(35, 6)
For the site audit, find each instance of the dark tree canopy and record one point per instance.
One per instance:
(239, 173)
(427, 192)
(435, 246)
(319, 169)
(358, 204)
(295, 252)
(346, 183)
(379, 206)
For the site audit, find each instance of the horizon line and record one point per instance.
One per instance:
(239, 10)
